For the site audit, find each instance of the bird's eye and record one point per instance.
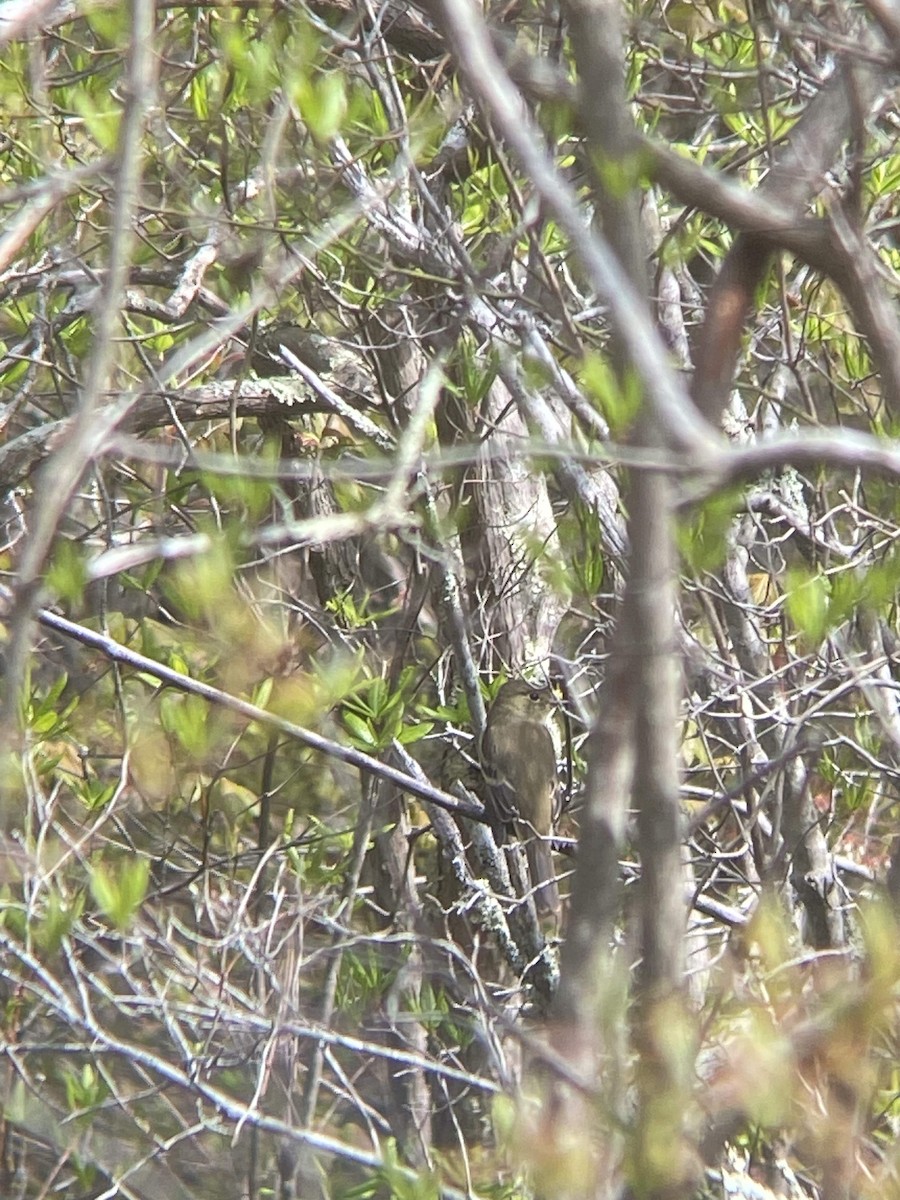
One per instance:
(534, 695)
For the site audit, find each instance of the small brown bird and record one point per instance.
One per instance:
(519, 760)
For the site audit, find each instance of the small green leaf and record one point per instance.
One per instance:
(322, 102)
(199, 93)
(57, 921)
(703, 541)
(262, 693)
(361, 730)
(619, 400)
(109, 22)
(119, 896)
(102, 115)
(93, 793)
(414, 733)
(85, 1088)
(67, 576)
(808, 606)
(44, 723)
(186, 717)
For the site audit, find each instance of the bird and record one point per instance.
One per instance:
(518, 755)
(310, 347)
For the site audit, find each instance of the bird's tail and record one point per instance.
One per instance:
(540, 867)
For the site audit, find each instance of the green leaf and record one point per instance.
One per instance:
(57, 921)
(362, 731)
(67, 576)
(807, 602)
(618, 401)
(93, 793)
(414, 733)
(109, 22)
(703, 541)
(187, 718)
(102, 115)
(323, 104)
(44, 723)
(85, 1088)
(199, 94)
(262, 693)
(43, 713)
(477, 371)
(119, 896)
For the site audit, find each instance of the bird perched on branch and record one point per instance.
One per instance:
(518, 754)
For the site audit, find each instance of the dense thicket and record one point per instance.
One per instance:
(355, 356)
